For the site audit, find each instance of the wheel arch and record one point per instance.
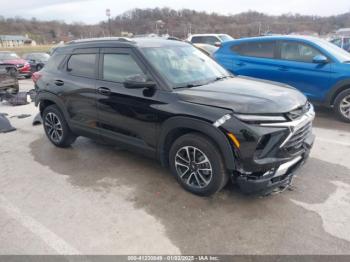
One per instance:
(336, 90)
(45, 99)
(175, 127)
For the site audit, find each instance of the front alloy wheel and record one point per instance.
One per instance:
(193, 167)
(198, 165)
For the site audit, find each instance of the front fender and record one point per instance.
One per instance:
(180, 122)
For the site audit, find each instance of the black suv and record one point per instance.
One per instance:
(168, 100)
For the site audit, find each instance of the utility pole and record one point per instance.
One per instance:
(108, 14)
(159, 24)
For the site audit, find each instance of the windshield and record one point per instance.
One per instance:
(225, 38)
(8, 56)
(184, 66)
(337, 52)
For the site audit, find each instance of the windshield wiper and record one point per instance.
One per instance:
(222, 77)
(187, 86)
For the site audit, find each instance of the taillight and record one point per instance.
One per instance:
(36, 76)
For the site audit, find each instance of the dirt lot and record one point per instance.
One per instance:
(96, 199)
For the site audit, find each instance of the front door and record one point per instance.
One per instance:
(298, 69)
(125, 115)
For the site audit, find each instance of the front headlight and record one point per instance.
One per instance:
(260, 118)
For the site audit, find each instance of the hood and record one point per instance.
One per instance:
(246, 95)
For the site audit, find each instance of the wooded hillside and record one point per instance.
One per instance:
(176, 23)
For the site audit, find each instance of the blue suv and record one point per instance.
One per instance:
(319, 69)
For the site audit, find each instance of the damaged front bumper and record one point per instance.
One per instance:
(279, 177)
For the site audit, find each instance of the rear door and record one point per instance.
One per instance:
(256, 59)
(298, 70)
(76, 85)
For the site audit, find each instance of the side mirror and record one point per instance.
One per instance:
(217, 44)
(138, 82)
(32, 61)
(320, 59)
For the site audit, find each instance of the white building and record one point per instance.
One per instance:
(13, 40)
(343, 32)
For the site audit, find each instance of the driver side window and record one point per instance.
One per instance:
(299, 52)
(119, 67)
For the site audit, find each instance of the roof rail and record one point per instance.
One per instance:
(120, 39)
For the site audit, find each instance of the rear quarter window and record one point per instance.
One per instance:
(54, 62)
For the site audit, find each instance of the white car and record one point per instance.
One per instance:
(210, 39)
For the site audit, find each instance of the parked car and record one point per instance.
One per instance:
(207, 49)
(170, 101)
(8, 78)
(342, 42)
(36, 60)
(316, 67)
(23, 67)
(210, 39)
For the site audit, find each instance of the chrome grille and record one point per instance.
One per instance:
(295, 114)
(296, 141)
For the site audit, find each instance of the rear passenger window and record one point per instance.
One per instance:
(119, 67)
(82, 65)
(256, 49)
(300, 52)
(210, 40)
(197, 39)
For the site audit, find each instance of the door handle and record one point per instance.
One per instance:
(283, 69)
(104, 90)
(240, 64)
(59, 83)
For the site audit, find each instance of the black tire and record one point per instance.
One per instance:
(65, 136)
(339, 101)
(39, 67)
(195, 184)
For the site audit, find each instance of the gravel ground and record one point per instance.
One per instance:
(97, 199)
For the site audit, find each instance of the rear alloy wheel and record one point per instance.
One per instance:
(56, 127)
(197, 164)
(342, 105)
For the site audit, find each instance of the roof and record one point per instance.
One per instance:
(121, 42)
(13, 38)
(276, 37)
(207, 34)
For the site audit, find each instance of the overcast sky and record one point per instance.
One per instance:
(92, 11)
